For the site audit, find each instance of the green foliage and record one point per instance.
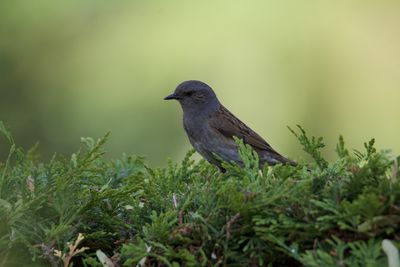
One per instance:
(190, 214)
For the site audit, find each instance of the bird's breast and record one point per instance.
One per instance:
(195, 129)
(208, 142)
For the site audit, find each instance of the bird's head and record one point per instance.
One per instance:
(194, 96)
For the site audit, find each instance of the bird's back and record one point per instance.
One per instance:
(228, 125)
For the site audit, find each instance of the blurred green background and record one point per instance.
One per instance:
(80, 68)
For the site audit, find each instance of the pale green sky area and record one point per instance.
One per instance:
(80, 68)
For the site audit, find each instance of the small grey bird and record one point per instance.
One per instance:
(211, 127)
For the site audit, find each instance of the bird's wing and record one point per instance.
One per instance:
(228, 125)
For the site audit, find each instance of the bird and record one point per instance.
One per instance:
(211, 127)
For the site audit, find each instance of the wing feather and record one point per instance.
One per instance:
(228, 125)
(224, 122)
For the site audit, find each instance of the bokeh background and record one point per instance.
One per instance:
(73, 68)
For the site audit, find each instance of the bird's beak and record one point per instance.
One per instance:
(171, 96)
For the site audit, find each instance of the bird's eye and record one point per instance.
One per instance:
(189, 93)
